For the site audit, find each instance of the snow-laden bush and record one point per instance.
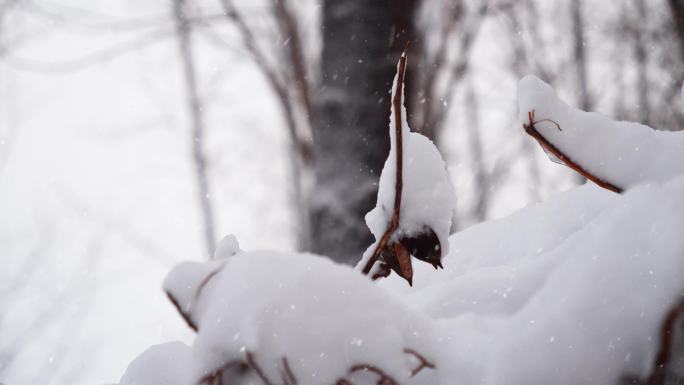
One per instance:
(582, 289)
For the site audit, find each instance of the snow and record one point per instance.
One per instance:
(569, 291)
(165, 364)
(622, 153)
(428, 199)
(322, 316)
(580, 281)
(227, 247)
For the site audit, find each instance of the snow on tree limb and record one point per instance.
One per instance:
(615, 155)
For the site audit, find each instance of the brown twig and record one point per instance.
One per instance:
(385, 379)
(399, 184)
(531, 130)
(249, 356)
(186, 316)
(216, 374)
(186, 313)
(287, 375)
(664, 355)
(424, 363)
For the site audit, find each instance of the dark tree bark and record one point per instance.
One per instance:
(641, 59)
(677, 9)
(362, 41)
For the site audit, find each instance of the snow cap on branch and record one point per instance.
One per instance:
(262, 307)
(614, 154)
(416, 200)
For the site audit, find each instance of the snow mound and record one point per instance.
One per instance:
(165, 364)
(321, 317)
(623, 154)
(583, 280)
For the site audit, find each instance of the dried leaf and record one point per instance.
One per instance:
(398, 259)
(381, 270)
(424, 246)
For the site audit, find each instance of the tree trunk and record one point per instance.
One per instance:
(580, 56)
(362, 41)
(197, 123)
(677, 9)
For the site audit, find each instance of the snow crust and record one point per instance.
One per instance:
(622, 153)
(428, 198)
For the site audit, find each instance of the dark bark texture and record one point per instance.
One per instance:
(362, 41)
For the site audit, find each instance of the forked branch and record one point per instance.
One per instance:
(423, 362)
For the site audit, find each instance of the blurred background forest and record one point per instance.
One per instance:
(134, 134)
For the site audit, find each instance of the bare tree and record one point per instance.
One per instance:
(580, 62)
(677, 10)
(361, 43)
(197, 139)
(640, 37)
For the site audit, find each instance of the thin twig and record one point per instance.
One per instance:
(424, 363)
(187, 313)
(209, 378)
(664, 355)
(457, 71)
(287, 374)
(531, 130)
(385, 379)
(394, 220)
(252, 364)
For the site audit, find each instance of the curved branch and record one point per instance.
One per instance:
(531, 130)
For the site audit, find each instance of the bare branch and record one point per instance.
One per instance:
(664, 355)
(531, 130)
(186, 312)
(424, 363)
(289, 28)
(394, 220)
(194, 105)
(437, 113)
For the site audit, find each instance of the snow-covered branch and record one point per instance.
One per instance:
(415, 184)
(614, 155)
